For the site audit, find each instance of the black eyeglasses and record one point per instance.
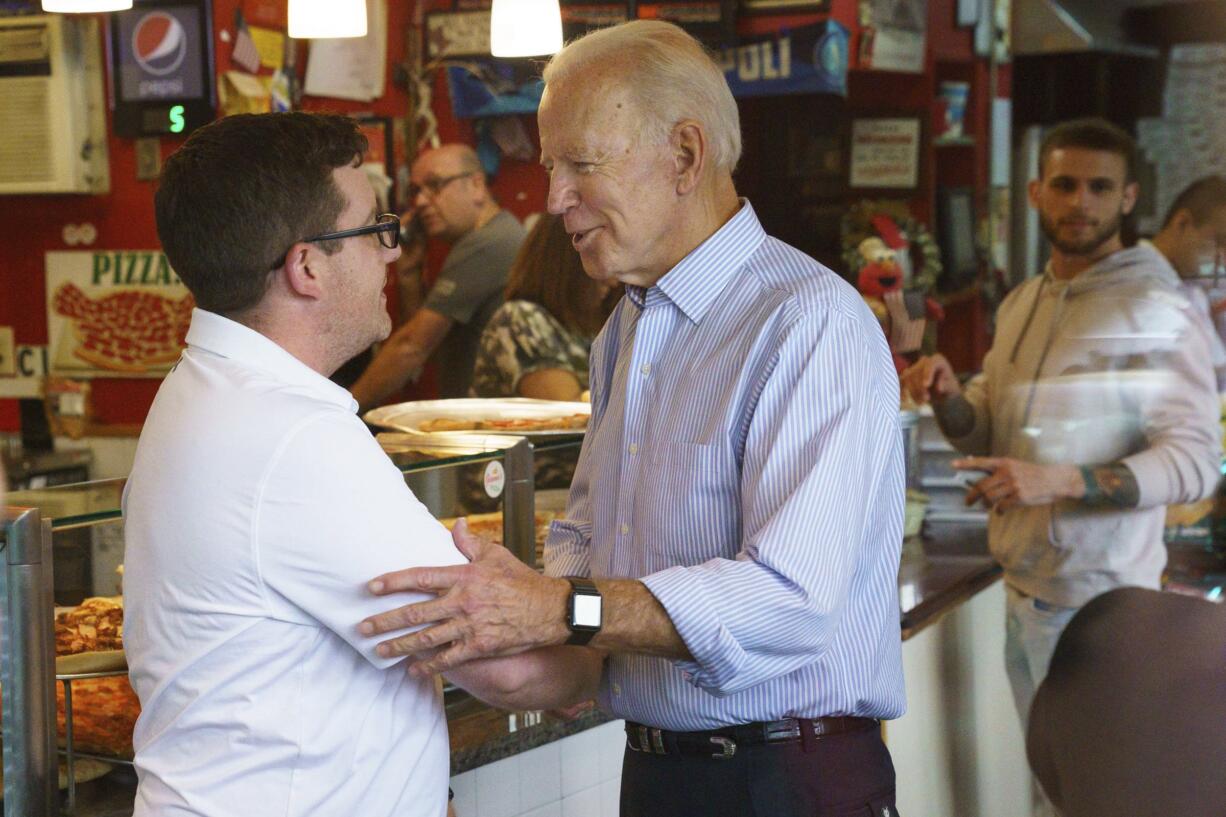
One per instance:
(386, 227)
(434, 186)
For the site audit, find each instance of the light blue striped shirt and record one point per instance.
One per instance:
(744, 459)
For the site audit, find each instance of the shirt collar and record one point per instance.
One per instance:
(230, 339)
(702, 275)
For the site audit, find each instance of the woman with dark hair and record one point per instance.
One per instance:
(537, 343)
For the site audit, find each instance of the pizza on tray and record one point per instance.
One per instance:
(488, 526)
(95, 625)
(104, 713)
(104, 710)
(130, 330)
(577, 422)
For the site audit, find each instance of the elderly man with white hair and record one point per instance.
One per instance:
(732, 536)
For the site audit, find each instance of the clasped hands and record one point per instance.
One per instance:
(494, 605)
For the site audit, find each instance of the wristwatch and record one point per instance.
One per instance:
(584, 611)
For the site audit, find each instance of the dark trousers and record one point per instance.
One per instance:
(846, 775)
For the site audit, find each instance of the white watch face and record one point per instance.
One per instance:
(587, 610)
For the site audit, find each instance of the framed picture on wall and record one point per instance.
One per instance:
(784, 6)
(956, 237)
(712, 21)
(885, 153)
(457, 34)
(581, 16)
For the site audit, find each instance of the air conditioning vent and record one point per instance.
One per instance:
(24, 157)
(25, 44)
(51, 103)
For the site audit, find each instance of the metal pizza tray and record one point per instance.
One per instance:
(409, 417)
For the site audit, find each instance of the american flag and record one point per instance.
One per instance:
(245, 54)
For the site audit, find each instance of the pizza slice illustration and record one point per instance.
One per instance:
(129, 330)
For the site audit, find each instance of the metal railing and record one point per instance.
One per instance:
(27, 666)
(519, 503)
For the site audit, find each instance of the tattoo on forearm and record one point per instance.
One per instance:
(955, 415)
(1113, 485)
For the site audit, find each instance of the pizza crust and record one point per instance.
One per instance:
(577, 422)
(99, 661)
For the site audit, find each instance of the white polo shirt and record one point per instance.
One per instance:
(258, 507)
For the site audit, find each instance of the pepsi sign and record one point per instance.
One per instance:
(159, 43)
(162, 67)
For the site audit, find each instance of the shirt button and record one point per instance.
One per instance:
(634, 448)
(646, 368)
(625, 528)
(617, 689)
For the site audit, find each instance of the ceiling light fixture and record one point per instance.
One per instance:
(85, 6)
(525, 28)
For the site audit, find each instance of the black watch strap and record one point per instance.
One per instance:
(580, 634)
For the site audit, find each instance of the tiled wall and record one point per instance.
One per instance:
(578, 776)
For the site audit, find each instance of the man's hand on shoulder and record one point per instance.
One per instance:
(495, 605)
(1012, 482)
(930, 379)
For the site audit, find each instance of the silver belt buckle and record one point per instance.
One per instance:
(727, 747)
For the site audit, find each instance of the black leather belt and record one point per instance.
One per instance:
(721, 743)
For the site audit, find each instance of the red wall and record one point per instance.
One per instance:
(124, 218)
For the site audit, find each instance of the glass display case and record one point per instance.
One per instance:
(463, 474)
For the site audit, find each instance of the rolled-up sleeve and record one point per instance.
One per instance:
(822, 497)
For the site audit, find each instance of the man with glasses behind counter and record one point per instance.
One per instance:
(451, 201)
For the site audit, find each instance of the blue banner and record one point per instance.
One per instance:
(808, 60)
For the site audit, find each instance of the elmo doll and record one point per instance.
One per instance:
(902, 313)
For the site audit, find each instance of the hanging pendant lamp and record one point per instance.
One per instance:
(85, 6)
(525, 28)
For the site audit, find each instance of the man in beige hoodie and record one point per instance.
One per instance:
(1095, 409)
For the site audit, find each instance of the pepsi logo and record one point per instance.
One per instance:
(159, 43)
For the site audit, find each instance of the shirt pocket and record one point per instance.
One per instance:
(689, 504)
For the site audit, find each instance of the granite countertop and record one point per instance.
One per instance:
(938, 573)
(481, 734)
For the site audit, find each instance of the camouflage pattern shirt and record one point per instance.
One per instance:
(523, 337)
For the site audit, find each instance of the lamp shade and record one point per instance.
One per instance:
(85, 6)
(327, 19)
(525, 28)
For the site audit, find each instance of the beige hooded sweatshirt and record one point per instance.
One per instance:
(1110, 366)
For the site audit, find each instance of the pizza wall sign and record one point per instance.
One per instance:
(115, 313)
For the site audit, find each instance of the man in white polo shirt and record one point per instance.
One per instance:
(259, 504)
